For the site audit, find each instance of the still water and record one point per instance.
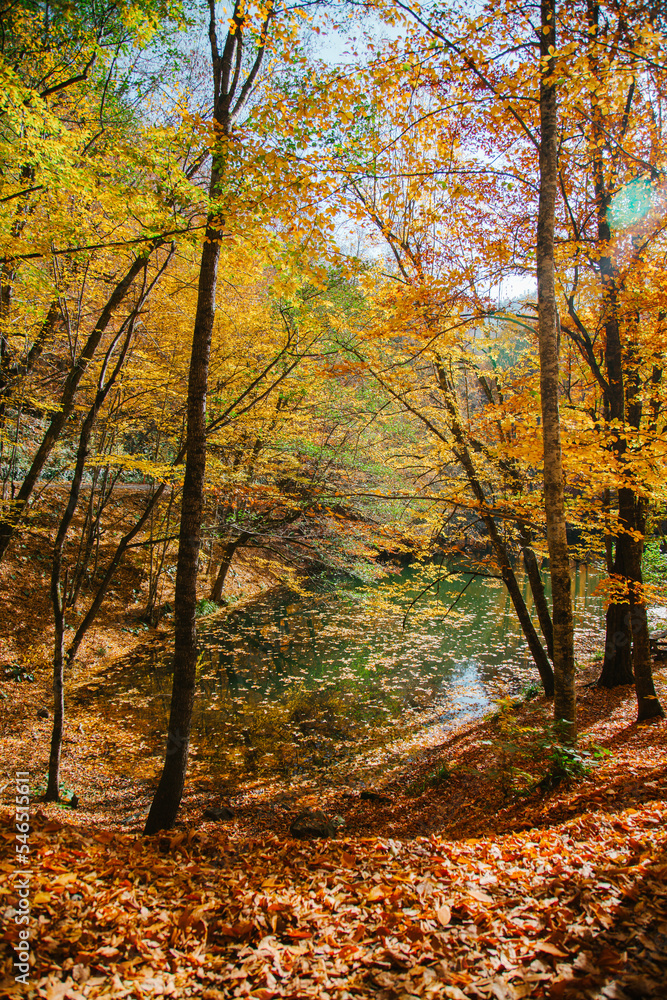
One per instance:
(294, 682)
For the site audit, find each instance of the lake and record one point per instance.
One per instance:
(295, 682)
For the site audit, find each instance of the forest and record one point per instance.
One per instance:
(333, 517)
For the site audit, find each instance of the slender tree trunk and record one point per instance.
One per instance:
(58, 593)
(100, 594)
(509, 579)
(539, 597)
(8, 524)
(523, 614)
(170, 788)
(9, 377)
(53, 785)
(229, 98)
(554, 493)
(226, 561)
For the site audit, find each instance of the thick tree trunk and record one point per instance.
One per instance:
(617, 664)
(626, 627)
(554, 493)
(627, 654)
(648, 705)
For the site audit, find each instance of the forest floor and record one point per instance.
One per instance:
(455, 875)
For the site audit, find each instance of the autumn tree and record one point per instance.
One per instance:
(231, 91)
(71, 207)
(497, 56)
(554, 500)
(400, 195)
(612, 122)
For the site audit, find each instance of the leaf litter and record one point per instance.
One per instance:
(535, 905)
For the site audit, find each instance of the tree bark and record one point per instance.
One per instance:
(554, 493)
(627, 644)
(229, 98)
(617, 664)
(57, 592)
(509, 579)
(172, 780)
(648, 705)
(53, 784)
(539, 597)
(8, 524)
(225, 563)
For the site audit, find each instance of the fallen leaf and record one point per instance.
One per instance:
(551, 949)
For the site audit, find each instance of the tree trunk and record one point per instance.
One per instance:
(225, 563)
(648, 705)
(170, 788)
(539, 597)
(100, 594)
(523, 614)
(53, 786)
(509, 579)
(57, 593)
(617, 664)
(554, 494)
(67, 401)
(229, 98)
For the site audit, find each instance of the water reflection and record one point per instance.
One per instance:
(293, 682)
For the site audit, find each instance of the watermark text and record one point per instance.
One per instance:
(22, 876)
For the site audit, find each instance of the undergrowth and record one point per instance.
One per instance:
(530, 758)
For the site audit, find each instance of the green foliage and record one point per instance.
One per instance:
(654, 566)
(509, 749)
(206, 607)
(530, 758)
(432, 780)
(138, 630)
(566, 762)
(530, 691)
(16, 672)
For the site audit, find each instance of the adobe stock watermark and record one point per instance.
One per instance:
(633, 622)
(22, 876)
(175, 742)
